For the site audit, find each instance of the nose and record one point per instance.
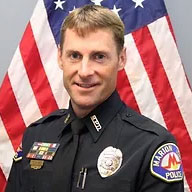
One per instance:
(85, 68)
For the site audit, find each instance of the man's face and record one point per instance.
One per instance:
(90, 65)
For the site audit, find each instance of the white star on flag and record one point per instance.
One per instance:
(115, 10)
(97, 2)
(59, 4)
(138, 3)
(72, 9)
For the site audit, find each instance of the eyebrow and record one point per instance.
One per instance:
(68, 52)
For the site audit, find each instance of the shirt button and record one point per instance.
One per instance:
(129, 115)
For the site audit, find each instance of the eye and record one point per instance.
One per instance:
(75, 56)
(99, 57)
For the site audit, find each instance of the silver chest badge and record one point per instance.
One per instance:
(109, 161)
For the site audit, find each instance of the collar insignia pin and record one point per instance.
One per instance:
(96, 123)
(67, 118)
(109, 161)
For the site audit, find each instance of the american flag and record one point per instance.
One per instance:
(153, 81)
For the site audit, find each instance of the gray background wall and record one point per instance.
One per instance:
(15, 15)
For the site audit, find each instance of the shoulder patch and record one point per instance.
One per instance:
(166, 163)
(18, 154)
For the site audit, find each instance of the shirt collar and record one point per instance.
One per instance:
(102, 115)
(99, 118)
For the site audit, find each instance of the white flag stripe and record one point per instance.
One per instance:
(186, 186)
(48, 52)
(20, 83)
(6, 151)
(140, 83)
(170, 57)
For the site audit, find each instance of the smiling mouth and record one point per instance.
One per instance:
(85, 85)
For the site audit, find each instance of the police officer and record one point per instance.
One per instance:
(98, 144)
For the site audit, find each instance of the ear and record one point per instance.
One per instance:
(59, 57)
(122, 59)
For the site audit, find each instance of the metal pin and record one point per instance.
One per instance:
(79, 178)
(84, 178)
(67, 118)
(81, 181)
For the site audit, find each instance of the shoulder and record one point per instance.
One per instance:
(46, 126)
(46, 129)
(159, 146)
(51, 117)
(144, 124)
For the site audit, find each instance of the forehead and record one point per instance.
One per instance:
(101, 38)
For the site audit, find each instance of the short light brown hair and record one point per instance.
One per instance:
(91, 18)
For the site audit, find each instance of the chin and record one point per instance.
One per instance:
(86, 103)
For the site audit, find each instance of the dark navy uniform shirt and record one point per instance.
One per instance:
(116, 125)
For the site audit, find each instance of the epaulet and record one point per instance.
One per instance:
(53, 115)
(142, 122)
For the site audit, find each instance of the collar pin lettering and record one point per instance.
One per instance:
(96, 123)
(67, 118)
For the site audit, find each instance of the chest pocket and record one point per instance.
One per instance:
(37, 180)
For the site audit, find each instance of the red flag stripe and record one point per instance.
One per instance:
(2, 181)
(35, 70)
(125, 90)
(164, 95)
(18, 76)
(42, 35)
(140, 83)
(10, 114)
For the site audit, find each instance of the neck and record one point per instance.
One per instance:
(81, 112)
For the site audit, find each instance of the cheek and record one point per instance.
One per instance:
(66, 77)
(111, 72)
(68, 71)
(110, 76)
